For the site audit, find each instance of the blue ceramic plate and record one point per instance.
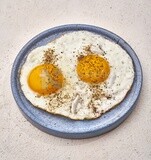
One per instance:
(61, 126)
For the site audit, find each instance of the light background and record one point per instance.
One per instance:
(19, 22)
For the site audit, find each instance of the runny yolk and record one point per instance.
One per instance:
(93, 68)
(45, 79)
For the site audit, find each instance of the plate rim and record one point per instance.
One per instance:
(83, 134)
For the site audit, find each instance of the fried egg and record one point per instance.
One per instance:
(80, 75)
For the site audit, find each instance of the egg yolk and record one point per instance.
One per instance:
(45, 79)
(93, 68)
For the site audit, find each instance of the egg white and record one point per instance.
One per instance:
(79, 93)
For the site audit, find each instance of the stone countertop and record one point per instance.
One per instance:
(19, 22)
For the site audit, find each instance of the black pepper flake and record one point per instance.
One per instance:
(80, 57)
(109, 97)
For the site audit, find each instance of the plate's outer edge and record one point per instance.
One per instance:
(83, 134)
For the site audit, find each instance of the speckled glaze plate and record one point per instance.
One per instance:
(61, 126)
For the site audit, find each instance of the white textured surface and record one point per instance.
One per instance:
(19, 22)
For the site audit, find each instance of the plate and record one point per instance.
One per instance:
(61, 126)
